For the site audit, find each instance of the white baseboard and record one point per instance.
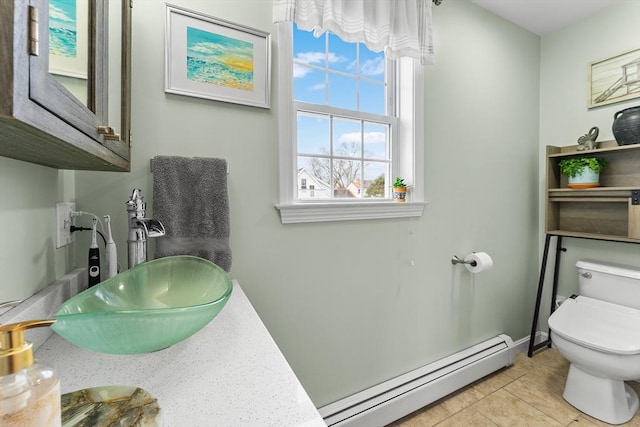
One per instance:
(522, 345)
(384, 403)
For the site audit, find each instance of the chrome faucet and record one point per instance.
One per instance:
(140, 228)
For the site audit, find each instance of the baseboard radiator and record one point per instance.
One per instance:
(400, 396)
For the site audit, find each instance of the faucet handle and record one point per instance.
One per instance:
(136, 195)
(136, 203)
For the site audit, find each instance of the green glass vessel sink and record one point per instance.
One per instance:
(149, 307)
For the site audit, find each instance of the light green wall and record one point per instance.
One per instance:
(564, 116)
(342, 300)
(28, 258)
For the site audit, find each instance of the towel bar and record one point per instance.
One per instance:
(151, 166)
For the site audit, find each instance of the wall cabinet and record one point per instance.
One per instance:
(608, 212)
(41, 120)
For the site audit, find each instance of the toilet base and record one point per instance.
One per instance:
(608, 400)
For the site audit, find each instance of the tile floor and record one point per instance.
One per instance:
(528, 393)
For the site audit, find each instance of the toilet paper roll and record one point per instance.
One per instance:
(479, 261)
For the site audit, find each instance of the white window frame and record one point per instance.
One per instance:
(407, 160)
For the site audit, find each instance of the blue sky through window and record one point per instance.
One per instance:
(329, 71)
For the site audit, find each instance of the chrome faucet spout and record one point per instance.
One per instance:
(152, 227)
(140, 228)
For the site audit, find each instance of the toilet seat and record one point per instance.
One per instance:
(599, 325)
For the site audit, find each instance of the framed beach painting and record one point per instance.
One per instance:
(614, 79)
(210, 58)
(69, 37)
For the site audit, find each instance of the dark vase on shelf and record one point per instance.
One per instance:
(626, 126)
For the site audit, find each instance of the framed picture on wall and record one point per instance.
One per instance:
(210, 58)
(614, 79)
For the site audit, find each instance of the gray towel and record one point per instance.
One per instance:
(190, 199)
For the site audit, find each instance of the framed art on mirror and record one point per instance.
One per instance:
(68, 37)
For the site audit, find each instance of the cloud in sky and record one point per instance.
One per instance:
(312, 58)
(369, 137)
(373, 67)
(300, 71)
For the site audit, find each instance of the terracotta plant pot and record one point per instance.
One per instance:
(399, 194)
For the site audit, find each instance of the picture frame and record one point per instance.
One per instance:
(69, 38)
(210, 58)
(614, 79)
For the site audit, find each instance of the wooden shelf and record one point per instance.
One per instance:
(609, 212)
(590, 199)
(597, 191)
(595, 236)
(603, 147)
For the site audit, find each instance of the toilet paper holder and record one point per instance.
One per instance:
(457, 260)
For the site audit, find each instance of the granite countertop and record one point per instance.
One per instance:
(230, 373)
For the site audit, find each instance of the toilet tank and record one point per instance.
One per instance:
(615, 283)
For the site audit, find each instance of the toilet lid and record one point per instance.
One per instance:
(600, 325)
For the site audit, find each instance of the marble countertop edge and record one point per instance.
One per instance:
(230, 373)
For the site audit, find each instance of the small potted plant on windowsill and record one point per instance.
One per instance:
(399, 190)
(583, 172)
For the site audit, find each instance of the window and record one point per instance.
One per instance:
(344, 101)
(346, 129)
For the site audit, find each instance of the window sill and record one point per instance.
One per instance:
(324, 212)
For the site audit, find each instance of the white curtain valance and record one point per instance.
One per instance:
(400, 28)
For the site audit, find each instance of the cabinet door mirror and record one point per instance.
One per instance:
(119, 84)
(85, 67)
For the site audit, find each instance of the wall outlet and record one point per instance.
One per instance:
(64, 221)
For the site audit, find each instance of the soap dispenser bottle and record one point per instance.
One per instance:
(29, 391)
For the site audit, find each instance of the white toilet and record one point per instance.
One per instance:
(599, 334)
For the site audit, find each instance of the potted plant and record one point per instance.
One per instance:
(583, 172)
(399, 190)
